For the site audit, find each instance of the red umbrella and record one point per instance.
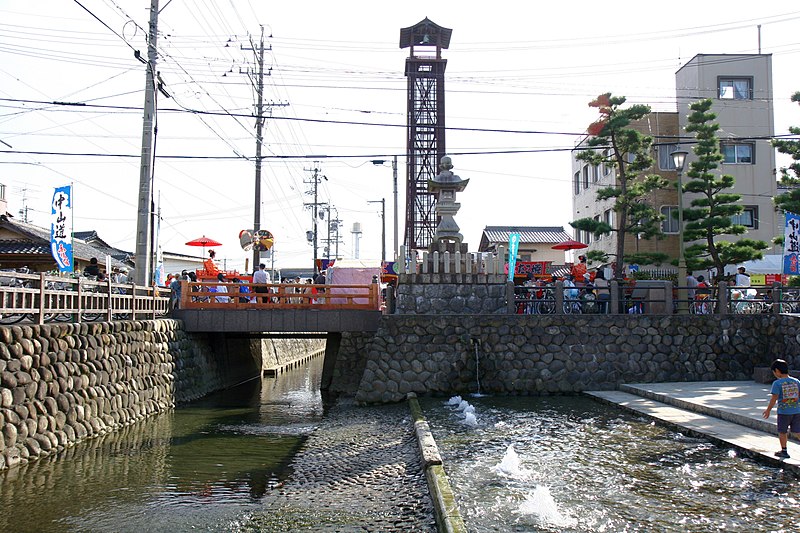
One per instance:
(203, 241)
(569, 244)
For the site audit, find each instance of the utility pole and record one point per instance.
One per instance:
(144, 221)
(378, 162)
(314, 206)
(259, 139)
(382, 201)
(394, 180)
(333, 232)
(259, 136)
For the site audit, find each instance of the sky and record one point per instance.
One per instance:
(518, 81)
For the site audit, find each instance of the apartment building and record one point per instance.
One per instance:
(741, 87)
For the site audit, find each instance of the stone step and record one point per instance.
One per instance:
(750, 442)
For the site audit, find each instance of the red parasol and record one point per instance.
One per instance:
(203, 241)
(569, 244)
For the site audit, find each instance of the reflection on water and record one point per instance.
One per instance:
(203, 466)
(571, 464)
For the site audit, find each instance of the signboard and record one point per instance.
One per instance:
(791, 245)
(61, 228)
(532, 268)
(513, 248)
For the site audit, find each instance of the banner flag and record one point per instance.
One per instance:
(791, 245)
(61, 228)
(513, 248)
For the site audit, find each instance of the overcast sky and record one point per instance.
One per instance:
(518, 82)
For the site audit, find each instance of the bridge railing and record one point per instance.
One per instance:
(205, 295)
(41, 298)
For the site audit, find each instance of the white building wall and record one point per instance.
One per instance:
(749, 120)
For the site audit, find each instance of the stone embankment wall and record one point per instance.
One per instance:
(62, 383)
(526, 354)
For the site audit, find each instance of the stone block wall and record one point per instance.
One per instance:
(63, 383)
(452, 294)
(529, 354)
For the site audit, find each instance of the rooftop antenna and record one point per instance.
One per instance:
(759, 38)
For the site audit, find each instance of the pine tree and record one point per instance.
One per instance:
(613, 143)
(711, 212)
(790, 176)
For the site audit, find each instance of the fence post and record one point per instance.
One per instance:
(109, 302)
(613, 287)
(559, 297)
(722, 298)
(41, 298)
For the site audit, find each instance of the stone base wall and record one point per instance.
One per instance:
(63, 383)
(277, 354)
(349, 362)
(452, 294)
(527, 354)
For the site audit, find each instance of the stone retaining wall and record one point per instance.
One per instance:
(62, 383)
(528, 354)
(452, 294)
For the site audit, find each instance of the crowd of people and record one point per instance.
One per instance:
(257, 291)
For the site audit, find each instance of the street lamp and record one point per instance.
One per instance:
(382, 201)
(679, 159)
(379, 162)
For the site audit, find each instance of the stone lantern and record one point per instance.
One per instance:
(446, 185)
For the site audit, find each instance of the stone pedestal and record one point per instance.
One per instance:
(446, 287)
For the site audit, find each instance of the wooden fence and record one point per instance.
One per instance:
(201, 295)
(41, 298)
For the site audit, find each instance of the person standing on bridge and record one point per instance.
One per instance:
(786, 393)
(261, 278)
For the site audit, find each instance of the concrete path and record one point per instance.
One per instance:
(726, 412)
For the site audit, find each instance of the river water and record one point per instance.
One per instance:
(553, 464)
(202, 467)
(569, 464)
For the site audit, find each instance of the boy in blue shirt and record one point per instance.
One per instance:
(786, 393)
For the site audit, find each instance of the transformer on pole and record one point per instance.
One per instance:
(425, 143)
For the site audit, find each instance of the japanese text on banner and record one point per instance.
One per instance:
(791, 245)
(61, 228)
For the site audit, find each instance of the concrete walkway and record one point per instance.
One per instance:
(726, 412)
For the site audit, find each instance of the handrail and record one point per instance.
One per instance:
(204, 295)
(43, 298)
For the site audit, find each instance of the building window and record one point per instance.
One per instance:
(738, 153)
(608, 217)
(747, 218)
(597, 219)
(596, 173)
(670, 222)
(586, 176)
(607, 166)
(665, 161)
(577, 183)
(736, 88)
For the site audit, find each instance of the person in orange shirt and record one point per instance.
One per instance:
(209, 266)
(579, 268)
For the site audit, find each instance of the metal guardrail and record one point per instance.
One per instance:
(654, 297)
(41, 298)
(204, 295)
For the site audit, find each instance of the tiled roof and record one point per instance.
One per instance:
(528, 234)
(14, 246)
(36, 240)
